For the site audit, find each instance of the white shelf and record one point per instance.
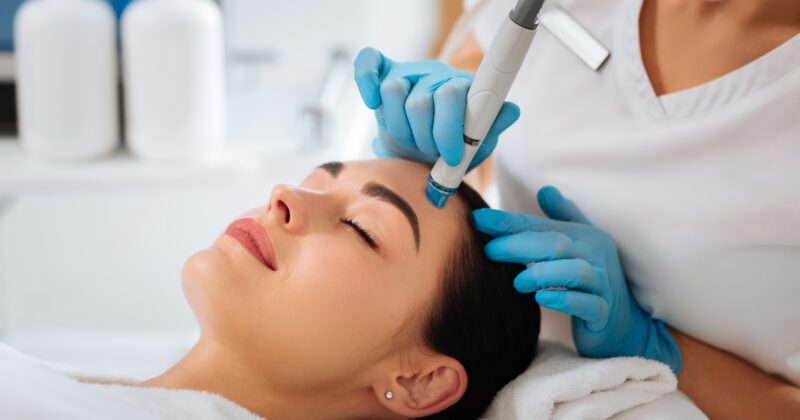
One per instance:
(21, 172)
(6, 67)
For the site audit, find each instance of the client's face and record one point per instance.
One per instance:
(358, 257)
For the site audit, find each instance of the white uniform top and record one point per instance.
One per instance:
(700, 188)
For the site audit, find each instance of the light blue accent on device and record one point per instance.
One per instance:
(569, 253)
(438, 194)
(120, 5)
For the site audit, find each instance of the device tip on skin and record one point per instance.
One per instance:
(438, 194)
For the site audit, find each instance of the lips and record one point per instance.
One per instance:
(255, 240)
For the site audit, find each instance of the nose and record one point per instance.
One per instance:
(288, 208)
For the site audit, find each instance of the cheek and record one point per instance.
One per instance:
(345, 300)
(339, 280)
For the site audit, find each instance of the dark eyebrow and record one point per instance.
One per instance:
(332, 168)
(379, 191)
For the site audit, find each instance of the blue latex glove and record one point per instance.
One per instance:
(569, 253)
(420, 109)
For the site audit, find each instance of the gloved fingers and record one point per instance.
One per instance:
(370, 65)
(592, 309)
(497, 222)
(394, 91)
(380, 149)
(508, 115)
(572, 273)
(450, 101)
(557, 207)
(530, 246)
(380, 117)
(385, 147)
(419, 109)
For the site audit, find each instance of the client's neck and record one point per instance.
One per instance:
(209, 367)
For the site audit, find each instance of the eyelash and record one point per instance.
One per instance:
(365, 235)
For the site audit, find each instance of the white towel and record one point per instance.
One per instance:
(31, 389)
(561, 385)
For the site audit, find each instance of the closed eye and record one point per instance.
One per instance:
(365, 235)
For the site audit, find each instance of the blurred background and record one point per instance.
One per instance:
(91, 251)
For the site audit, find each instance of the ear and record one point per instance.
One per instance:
(435, 383)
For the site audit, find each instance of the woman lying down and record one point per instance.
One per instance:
(347, 297)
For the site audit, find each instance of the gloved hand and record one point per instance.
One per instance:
(420, 109)
(569, 253)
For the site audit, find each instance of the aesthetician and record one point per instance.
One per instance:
(683, 150)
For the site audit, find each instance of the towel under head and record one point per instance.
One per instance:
(561, 385)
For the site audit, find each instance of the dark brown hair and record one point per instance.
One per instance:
(479, 319)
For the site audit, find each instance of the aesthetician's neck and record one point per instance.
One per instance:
(209, 367)
(773, 11)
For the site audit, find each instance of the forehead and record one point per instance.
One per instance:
(408, 178)
(438, 227)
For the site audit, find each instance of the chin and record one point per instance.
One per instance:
(201, 278)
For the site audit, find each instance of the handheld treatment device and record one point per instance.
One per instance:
(495, 75)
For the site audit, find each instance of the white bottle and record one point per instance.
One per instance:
(173, 59)
(66, 73)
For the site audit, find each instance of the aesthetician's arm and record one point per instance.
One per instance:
(607, 321)
(726, 387)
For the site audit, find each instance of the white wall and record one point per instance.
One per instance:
(279, 54)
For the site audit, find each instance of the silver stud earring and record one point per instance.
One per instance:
(389, 395)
